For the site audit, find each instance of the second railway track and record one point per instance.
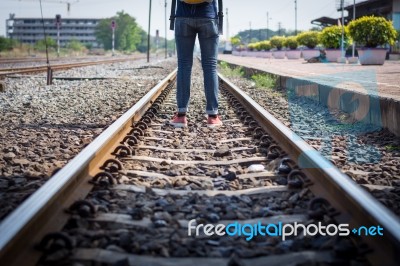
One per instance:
(128, 198)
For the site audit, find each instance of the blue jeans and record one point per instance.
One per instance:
(186, 30)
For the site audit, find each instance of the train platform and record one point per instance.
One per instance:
(370, 94)
(383, 81)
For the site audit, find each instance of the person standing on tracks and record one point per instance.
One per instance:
(196, 18)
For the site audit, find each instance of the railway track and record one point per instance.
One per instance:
(57, 67)
(131, 195)
(24, 60)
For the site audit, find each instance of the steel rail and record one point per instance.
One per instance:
(7, 60)
(43, 212)
(356, 206)
(36, 69)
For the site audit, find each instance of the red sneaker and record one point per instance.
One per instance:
(178, 121)
(214, 121)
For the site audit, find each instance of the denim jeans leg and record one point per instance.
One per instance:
(185, 36)
(208, 38)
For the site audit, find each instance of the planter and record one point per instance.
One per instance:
(394, 56)
(332, 55)
(265, 54)
(251, 53)
(310, 53)
(259, 54)
(372, 56)
(293, 54)
(279, 54)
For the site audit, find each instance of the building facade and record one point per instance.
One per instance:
(30, 30)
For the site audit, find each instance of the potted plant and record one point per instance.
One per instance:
(369, 32)
(331, 39)
(265, 46)
(291, 43)
(278, 43)
(251, 49)
(310, 40)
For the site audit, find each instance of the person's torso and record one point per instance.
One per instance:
(203, 10)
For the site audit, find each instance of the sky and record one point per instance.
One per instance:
(242, 15)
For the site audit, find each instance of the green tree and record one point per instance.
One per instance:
(128, 34)
(41, 44)
(236, 40)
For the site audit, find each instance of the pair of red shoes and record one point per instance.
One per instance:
(181, 121)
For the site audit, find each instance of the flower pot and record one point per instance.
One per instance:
(310, 53)
(333, 54)
(264, 54)
(293, 54)
(279, 54)
(372, 56)
(394, 56)
(251, 53)
(259, 54)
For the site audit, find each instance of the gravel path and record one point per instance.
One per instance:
(43, 127)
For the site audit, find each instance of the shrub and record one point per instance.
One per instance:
(331, 37)
(308, 38)
(251, 46)
(76, 46)
(291, 42)
(41, 44)
(277, 42)
(370, 31)
(265, 45)
(7, 44)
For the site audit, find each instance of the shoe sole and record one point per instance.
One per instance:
(179, 125)
(214, 125)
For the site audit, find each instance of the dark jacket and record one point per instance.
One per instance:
(203, 10)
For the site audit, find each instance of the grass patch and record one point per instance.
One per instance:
(229, 72)
(267, 82)
(264, 81)
(392, 148)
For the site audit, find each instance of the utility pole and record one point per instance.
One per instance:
(227, 25)
(165, 8)
(113, 37)
(228, 45)
(148, 34)
(250, 32)
(267, 24)
(342, 5)
(295, 15)
(157, 41)
(354, 17)
(58, 24)
(279, 28)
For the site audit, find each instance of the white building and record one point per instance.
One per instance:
(30, 30)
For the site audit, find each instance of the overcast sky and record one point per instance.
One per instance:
(242, 14)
